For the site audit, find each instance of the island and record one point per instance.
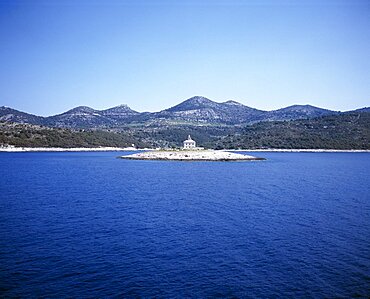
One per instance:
(190, 152)
(190, 155)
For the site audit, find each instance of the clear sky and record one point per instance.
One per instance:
(55, 55)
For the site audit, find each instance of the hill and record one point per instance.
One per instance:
(200, 110)
(344, 131)
(197, 110)
(26, 135)
(214, 125)
(8, 114)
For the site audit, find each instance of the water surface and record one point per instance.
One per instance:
(91, 225)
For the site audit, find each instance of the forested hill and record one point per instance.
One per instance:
(344, 131)
(26, 135)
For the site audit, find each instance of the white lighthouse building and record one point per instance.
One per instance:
(189, 143)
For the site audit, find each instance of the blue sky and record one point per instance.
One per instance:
(55, 55)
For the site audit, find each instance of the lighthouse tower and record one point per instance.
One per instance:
(189, 143)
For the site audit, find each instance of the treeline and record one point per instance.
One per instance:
(173, 136)
(25, 135)
(345, 131)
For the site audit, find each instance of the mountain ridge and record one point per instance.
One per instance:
(197, 110)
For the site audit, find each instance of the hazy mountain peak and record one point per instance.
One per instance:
(121, 106)
(297, 112)
(232, 102)
(197, 110)
(193, 103)
(81, 109)
(8, 114)
(302, 108)
(120, 110)
(199, 99)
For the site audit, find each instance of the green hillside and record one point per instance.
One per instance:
(26, 135)
(344, 131)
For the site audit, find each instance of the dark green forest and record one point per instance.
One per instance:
(345, 131)
(25, 135)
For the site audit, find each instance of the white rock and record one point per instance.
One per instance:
(181, 155)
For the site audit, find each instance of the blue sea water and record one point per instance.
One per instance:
(81, 225)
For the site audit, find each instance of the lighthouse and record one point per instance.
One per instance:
(189, 143)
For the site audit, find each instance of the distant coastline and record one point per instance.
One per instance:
(13, 149)
(304, 127)
(300, 150)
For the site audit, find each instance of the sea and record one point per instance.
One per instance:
(90, 225)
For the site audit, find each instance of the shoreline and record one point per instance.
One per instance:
(13, 149)
(191, 156)
(61, 149)
(299, 150)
